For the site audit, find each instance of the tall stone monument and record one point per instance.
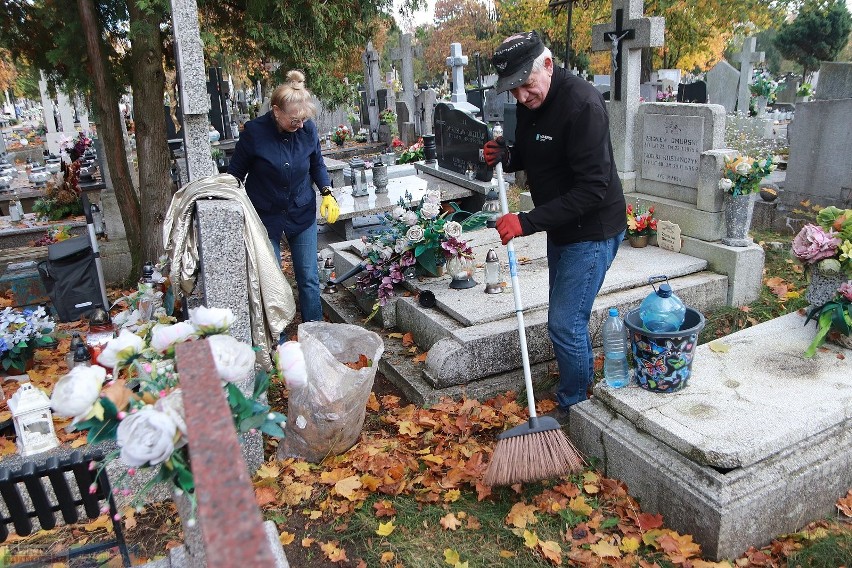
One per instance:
(624, 39)
(747, 58)
(456, 62)
(372, 78)
(194, 101)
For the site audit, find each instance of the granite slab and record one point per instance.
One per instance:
(745, 404)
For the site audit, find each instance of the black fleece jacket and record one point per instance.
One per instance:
(565, 148)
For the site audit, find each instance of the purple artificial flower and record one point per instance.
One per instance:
(813, 244)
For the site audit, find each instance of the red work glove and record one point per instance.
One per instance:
(495, 151)
(509, 227)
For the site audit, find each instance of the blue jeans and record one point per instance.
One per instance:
(577, 272)
(303, 249)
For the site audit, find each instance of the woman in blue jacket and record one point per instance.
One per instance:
(279, 157)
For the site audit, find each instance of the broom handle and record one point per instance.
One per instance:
(516, 292)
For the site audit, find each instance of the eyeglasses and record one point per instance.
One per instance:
(293, 120)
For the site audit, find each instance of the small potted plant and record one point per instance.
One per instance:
(387, 116)
(763, 88)
(834, 320)
(640, 225)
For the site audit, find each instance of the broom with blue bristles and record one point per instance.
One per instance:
(537, 449)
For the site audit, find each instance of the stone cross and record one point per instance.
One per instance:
(372, 78)
(194, 101)
(456, 62)
(631, 33)
(404, 54)
(747, 57)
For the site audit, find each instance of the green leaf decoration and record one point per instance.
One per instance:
(272, 429)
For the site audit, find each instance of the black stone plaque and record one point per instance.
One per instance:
(459, 138)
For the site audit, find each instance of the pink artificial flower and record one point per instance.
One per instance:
(813, 244)
(846, 290)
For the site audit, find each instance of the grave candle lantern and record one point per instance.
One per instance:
(33, 420)
(493, 281)
(359, 188)
(98, 221)
(460, 269)
(491, 207)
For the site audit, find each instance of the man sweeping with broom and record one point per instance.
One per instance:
(562, 142)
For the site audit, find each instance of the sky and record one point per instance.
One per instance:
(420, 17)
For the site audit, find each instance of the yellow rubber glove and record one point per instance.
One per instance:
(329, 209)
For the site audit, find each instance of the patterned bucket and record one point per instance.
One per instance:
(663, 360)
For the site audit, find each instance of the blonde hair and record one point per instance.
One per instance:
(294, 96)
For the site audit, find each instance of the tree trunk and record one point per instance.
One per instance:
(109, 129)
(152, 151)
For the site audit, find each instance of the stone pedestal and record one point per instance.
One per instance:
(729, 459)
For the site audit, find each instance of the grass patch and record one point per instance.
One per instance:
(830, 552)
(772, 302)
(418, 539)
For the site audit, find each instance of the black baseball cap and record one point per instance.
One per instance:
(514, 60)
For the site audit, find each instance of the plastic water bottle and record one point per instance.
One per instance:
(615, 351)
(662, 311)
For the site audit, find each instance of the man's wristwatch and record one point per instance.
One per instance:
(325, 191)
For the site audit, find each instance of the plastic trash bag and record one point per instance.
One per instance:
(325, 417)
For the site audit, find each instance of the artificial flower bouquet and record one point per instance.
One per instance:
(828, 244)
(827, 247)
(341, 134)
(640, 221)
(742, 175)
(834, 318)
(763, 85)
(412, 237)
(140, 404)
(413, 153)
(21, 333)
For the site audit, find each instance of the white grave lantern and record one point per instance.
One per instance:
(33, 421)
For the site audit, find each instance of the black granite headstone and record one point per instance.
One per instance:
(459, 139)
(218, 115)
(692, 93)
(510, 122)
(382, 96)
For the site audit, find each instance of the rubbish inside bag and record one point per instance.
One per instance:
(325, 417)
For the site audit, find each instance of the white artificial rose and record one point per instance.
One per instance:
(725, 184)
(386, 253)
(234, 359)
(165, 336)
(776, 159)
(211, 320)
(743, 168)
(291, 364)
(414, 234)
(398, 212)
(453, 229)
(400, 246)
(410, 218)
(172, 405)
(75, 393)
(120, 349)
(146, 436)
(429, 210)
(432, 197)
